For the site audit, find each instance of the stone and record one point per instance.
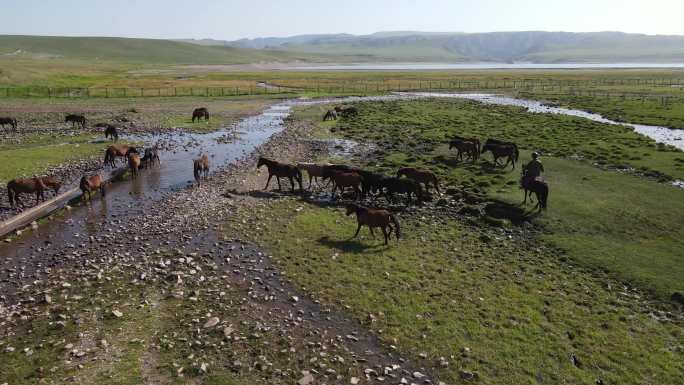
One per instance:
(211, 322)
(308, 379)
(117, 313)
(354, 380)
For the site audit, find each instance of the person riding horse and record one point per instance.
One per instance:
(533, 169)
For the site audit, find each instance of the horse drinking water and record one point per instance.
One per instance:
(200, 168)
(90, 184)
(75, 119)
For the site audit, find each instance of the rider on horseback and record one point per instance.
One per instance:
(533, 170)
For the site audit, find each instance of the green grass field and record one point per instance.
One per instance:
(548, 307)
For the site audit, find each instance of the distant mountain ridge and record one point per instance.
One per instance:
(526, 46)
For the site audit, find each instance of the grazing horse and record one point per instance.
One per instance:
(75, 119)
(24, 186)
(394, 185)
(375, 218)
(421, 176)
(315, 171)
(281, 170)
(502, 150)
(90, 184)
(330, 115)
(476, 141)
(52, 182)
(199, 113)
(343, 179)
(536, 186)
(117, 150)
(200, 167)
(468, 147)
(151, 156)
(7, 120)
(349, 112)
(134, 164)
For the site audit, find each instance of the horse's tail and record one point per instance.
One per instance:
(543, 196)
(397, 228)
(196, 172)
(106, 157)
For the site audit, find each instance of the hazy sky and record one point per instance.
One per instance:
(257, 18)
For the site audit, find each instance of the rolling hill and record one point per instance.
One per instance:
(153, 51)
(531, 46)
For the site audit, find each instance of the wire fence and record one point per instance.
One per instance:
(579, 88)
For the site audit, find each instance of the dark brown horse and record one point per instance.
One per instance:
(199, 113)
(502, 151)
(111, 132)
(470, 147)
(90, 184)
(51, 182)
(343, 179)
(8, 120)
(536, 186)
(375, 218)
(75, 119)
(330, 115)
(117, 151)
(315, 171)
(421, 176)
(281, 170)
(151, 156)
(134, 164)
(24, 186)
(200, 167)
(394, 185)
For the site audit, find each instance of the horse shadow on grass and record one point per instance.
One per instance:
(348, 245)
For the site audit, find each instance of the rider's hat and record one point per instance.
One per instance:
(535, 154)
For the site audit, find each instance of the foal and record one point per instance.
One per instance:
(374, 218)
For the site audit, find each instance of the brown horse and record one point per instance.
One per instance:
(200, 168)
(75, 119)
(134, 164)
(117, 150)
(468, 147)
(24, 186)
(8, 120)
(375, 218)
(342, 180)
(90, 184)
(52, 182)
(330, 115)
(315, 171)
(111, 132)
(151, 156)
(475, 141)
(281, 170)
(421, 176)
(502, 150)
(199, 113)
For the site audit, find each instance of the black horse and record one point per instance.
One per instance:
(75, 119)
(281, 170)
(536, 186)
(110, 131)
(11, 121)
(200, 113)
(509, 151)
(393, 185)
(372, 182)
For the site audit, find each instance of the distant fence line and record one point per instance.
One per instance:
(574, 87)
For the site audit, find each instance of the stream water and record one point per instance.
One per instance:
(128, 200)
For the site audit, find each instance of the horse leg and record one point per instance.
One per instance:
(278, 179)
(384, 232)
(268, 181)
(311, 178)
(372, 232)
(357, 231)
(292, 183)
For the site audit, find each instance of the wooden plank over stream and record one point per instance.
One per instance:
(46, 208)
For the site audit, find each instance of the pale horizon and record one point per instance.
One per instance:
(175, 19)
